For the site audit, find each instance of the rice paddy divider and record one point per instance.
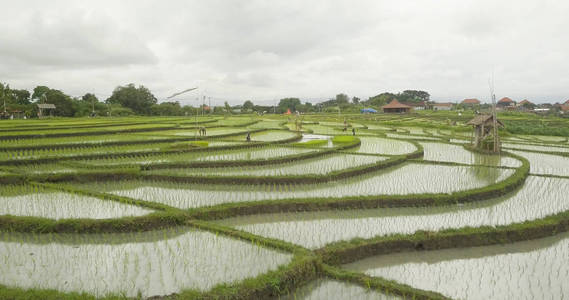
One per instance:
(501, 188)
(126, 154)
(99, 125)
(148, 222)
(87, 133)
(106, 196)
(456, 164)
(236, 163)
(343, 252)
(47, 294)
(284, 179)
(564, 154)
(273, 284)
(387, 287)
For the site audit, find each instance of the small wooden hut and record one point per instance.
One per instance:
(42, 107)
(396, 107)
(483, 127)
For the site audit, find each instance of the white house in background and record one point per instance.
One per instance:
(442, 106)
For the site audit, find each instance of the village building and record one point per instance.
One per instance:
(525, 105)
(483, 128)
(417, 105)
(442, 106)
(470, 102)
(506, 102)
(395, 107)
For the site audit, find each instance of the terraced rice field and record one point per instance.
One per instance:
(316, 229)
(537, 269)
(171, 261)
(458, 154)
(261, 153)
(29, 201)
(546, 164)
(333, 289)
(317, 166)
(377, 145)
(144, 208)
(393, 182)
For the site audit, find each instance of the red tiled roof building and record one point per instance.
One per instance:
(396, 107)
(472, 101)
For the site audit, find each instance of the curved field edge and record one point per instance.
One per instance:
(23, 162)
(349, 251)
(168, 216)
(307, 265)
(126, 172)
(501, 188)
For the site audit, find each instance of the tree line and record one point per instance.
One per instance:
(139, 100)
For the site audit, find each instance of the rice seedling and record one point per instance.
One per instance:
(408, 179)
(268, 124)
(92, 130)
(414, 130)
(267, 136)
(513, 271)
(212, 132)
(334, 289)
(134, 266)
(546, 164)
(457, 154)
(258, 153)
(59, 176)
(536, 147)
(315, 166)
(34, 202)
(376, 145)
(412, 137)
(76, 140)
(316, 229)
(320, 129)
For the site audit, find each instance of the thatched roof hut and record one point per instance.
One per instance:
(483, 127)
(484, 120)
(396, 107)
(43, 107)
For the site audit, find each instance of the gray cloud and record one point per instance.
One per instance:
(264, 50)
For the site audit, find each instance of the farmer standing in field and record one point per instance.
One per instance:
(248, 136)
(353, 131)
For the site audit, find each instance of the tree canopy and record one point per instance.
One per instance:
(288, 103)
(248, 105)
(139, 100)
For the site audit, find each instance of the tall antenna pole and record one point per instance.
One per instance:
(197, 111)
(494, 115)
(4, 96)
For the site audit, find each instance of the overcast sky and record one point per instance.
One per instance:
(266, 50)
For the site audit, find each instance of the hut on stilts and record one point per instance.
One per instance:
(485, 132)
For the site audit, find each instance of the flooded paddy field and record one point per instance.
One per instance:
(147, 207)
